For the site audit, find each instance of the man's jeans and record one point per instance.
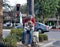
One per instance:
(30, 36)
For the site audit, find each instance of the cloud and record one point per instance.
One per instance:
(13, 2)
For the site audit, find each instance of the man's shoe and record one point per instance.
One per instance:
(21, 44)
(29, 45)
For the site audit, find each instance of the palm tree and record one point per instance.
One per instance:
(6, 6)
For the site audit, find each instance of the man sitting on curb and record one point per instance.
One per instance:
(29, 21)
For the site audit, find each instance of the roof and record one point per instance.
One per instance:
(52, 19)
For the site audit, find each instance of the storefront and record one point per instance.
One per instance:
(52, 22)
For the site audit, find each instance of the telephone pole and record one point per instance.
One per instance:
(33, 8)
(30, 7)
(1, 17)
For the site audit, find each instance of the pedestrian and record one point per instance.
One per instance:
(28, 23)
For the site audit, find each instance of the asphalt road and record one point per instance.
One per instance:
(54, 35)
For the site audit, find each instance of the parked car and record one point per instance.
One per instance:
(39, 27)
(18, 26)
(7, 24)
(42, 27)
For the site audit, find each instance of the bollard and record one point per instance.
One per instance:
(36, 37)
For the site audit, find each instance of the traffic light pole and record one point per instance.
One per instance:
(1, 17)
(30, 6)
(18, 12)
(20, 17)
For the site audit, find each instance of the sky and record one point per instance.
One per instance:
(13, 2)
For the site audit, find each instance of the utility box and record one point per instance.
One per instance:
(36, 37)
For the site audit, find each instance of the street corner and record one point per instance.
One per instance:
(19, 44)
(46, 43)
(55, 44)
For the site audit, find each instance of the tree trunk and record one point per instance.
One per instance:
(30, 6)
(1, 17)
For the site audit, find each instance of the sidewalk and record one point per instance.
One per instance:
(46, 43)
(41, 44)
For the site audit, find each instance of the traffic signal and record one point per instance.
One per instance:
(17, 7)
(17, 10)
(17, 14)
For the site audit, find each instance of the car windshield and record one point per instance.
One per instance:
(41, 23)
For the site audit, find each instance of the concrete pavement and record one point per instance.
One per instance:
(46, 43)
(55, 44)
(41, 44)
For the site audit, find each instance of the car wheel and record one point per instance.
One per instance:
(40, 31)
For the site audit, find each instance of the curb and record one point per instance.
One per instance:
(41, 44)
(56, 29)
(47, 44)
(6, 29)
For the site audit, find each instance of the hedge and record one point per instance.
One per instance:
(18, 33)
(15, 35)
(43, 37)
(10, 41)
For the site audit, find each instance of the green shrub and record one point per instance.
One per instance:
(15, 35)
(43, 37)
(10, 41)
(1, 39)
(18, 33)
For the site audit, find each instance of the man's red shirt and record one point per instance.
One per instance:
(26, 20)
